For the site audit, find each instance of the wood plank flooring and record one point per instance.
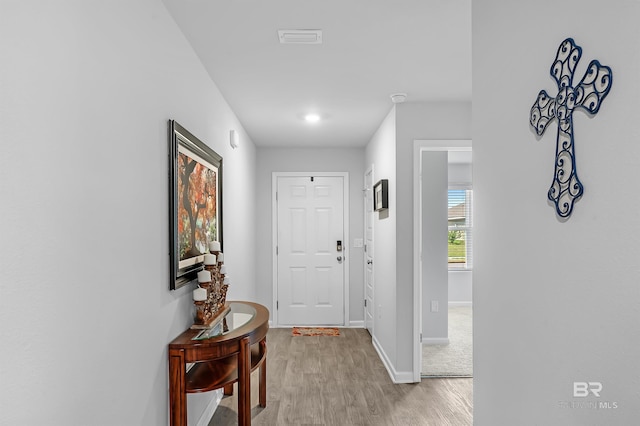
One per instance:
(341, 381)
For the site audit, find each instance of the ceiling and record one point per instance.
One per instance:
(371, 49)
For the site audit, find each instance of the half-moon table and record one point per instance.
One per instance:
(219, 357)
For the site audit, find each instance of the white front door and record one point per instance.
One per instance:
(368, 247)
(311, 250)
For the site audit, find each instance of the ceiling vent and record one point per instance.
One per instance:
(300, 36)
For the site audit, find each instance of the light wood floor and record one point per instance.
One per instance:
(341, 381)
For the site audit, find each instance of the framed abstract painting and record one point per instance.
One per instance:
(195, 203)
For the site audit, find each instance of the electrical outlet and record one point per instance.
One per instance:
(435, 306)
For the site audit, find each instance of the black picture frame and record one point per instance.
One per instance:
(195, 176)
(381, 195)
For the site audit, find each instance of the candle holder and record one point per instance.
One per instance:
(210, 311)
(223, 295)
(200, 312)
(215, 287)
(214, 307)
(215, 272)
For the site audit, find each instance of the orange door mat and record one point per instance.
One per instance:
(315, 331)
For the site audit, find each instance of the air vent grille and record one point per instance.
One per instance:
(300, 36)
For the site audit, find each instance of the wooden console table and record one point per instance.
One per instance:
(220, 361)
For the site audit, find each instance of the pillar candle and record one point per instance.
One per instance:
(209, 259)
(227, 280)
(214, 246)
(220, 257)
(204, 277)
(199, 294)
(223, 269)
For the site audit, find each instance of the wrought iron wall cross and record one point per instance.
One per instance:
(566, 188)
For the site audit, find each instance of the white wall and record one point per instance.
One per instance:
(460, 173)
(460, 288)
(309, 160)
(85, 310)
(563, 306)
(380, 152)
(435, 280)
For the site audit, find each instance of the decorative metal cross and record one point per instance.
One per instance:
(588, 95)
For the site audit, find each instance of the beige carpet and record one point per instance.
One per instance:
(456, 358)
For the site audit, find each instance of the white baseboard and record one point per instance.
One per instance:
(460, 304)
(403, 377)
(396, 376)
(356, 324)
(205, 418)
(435, 340)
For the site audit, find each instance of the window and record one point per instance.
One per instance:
(460, 227)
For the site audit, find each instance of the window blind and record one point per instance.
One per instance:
(460, 228)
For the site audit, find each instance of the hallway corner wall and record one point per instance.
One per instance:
(556, 301)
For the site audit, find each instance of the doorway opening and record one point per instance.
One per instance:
(442, 259)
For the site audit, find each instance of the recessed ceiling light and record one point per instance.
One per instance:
(300, 36)
(312, 118)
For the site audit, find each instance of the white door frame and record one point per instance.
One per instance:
(418, 147)
(370, 170)
(346, 254)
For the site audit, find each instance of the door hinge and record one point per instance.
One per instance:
(277, 305)
(276, 250)
(365, 303)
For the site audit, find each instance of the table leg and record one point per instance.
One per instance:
(177, 389)
(263, 373)
(228, 390)
(244, 383)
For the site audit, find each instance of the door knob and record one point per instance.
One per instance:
(369, 262)
(339, 258)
